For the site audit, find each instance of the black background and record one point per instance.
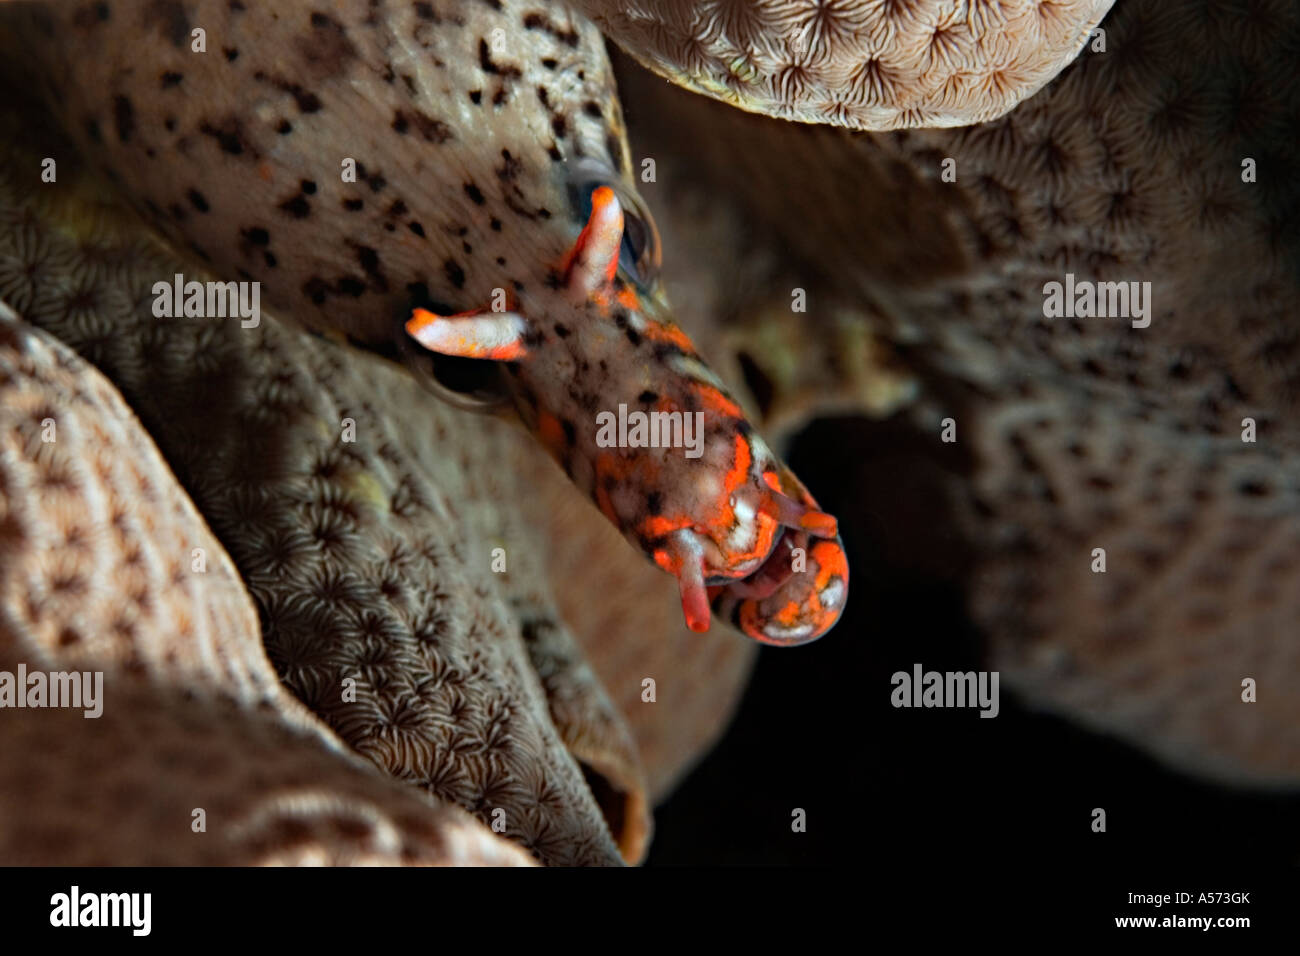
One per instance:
(816, 729)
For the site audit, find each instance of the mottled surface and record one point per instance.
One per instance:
(98, 574)
(72, 262)
(863, 64)
(1082, 433)
(459, 116)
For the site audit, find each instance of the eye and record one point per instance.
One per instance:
(639, 256)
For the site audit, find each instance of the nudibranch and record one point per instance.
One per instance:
(685, 477)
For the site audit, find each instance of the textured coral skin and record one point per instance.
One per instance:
(95, 539)
(247, 423)
(862, 64)
(1083, 433)
(358, 560)
(460, 123)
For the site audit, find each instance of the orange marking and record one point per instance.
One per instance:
(551, 431)
(601, 234)
(716, 401)
(628, 298)
(820, 524)
(664, 332)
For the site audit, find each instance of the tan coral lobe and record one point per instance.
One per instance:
(863, 64)
(1083, 433)
(197, 755)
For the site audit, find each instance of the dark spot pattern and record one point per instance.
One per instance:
(454, 273)
(123, 117)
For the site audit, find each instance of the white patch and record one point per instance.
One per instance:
(692, 367)
(833, 593)
(778, 633)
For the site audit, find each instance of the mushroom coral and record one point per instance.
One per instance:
(1163, 159)
(862, 64)
(196, 755)
(372, 559)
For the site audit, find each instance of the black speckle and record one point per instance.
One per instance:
(307, 186)
(270, 258)
(416, 228)
(352, 286)
(476, 97)
(501, 260)
(654, 502)
(170, 124)
(592, 109)
(256, 235)
(170, 19)
(353, 205)
(550, 62)
(425, 11)
(561, 330)
(398, 208)
(455, 274)
(475, 194)
(232, 54)
(368, 258)
(123, 117)
(433, 130)
(229, 135)
(539, 21)
(316, 289)
(284, 128)
(570, 433)
(170, 79)
(198, 200)
(297, 207)
(554, 152)
(559, 126)
(495, 223)
(487, 66)
(307, 102)
(647, 397)
(510, 167)
(92, 130)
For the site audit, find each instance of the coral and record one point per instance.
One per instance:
(98, 573)
(1081, 433)
(395, 529)
(856, 63)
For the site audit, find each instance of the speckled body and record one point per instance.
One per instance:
(466, 122)
(460, 117)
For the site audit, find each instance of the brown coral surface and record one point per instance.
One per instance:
(1163, 159)
(863, 64)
